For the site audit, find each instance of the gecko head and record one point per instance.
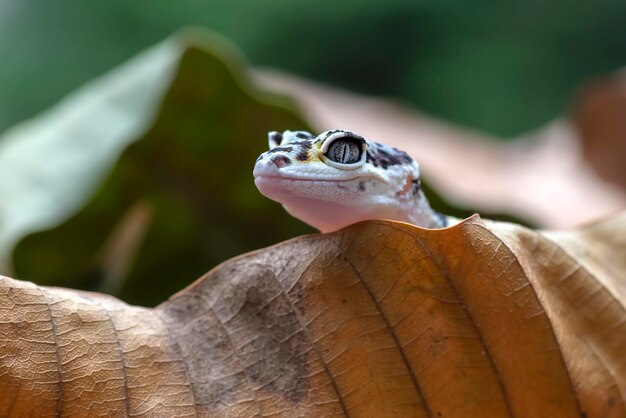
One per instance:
(336, 178)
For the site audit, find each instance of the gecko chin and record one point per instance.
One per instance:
(328, 205)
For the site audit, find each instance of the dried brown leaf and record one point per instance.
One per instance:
(379, 319)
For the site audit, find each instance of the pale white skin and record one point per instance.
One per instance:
(339, 178)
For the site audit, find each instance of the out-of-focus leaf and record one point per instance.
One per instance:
(50, 165)
(543, 177)
(600, 116)
(186, 178)
(483, 319)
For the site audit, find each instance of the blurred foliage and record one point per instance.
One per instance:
(181, 198)
(502, 67)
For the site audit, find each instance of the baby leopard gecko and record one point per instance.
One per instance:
(338, 178)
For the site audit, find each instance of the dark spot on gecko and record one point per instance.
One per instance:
(280, 149)
(303, 153)
(276, 137)
(304, 135)
(378, 156)
(280, 161)
(361, 186)
(403, 155)
(417, 185)
(370, 159)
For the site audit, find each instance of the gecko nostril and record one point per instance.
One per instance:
(280, 161)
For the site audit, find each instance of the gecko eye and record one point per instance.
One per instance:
(345, 150)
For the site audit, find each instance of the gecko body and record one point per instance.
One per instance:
(338, 178)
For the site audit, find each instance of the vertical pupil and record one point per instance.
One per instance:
(344, 152)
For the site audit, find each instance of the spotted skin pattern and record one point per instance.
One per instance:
(299, 172)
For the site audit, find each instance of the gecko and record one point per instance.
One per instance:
(338, 178)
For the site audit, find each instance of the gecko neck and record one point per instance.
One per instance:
(418, 212)
(330, 216)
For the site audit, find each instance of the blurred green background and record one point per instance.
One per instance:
(142, 182)
(501, 67)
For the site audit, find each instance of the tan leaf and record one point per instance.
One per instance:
(483, 319)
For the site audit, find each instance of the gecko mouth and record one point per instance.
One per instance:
(268, 172)
(271, 185)
(279, 179)
(279, 188)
